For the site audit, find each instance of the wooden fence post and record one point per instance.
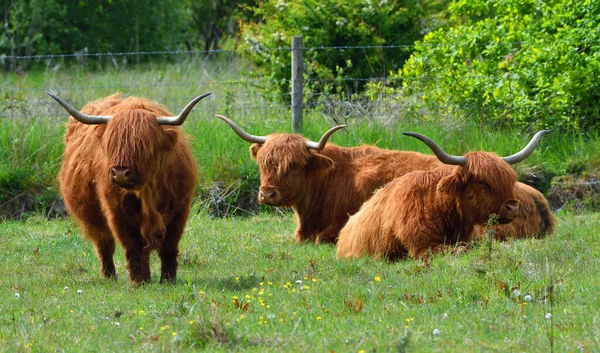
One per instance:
(297, 83)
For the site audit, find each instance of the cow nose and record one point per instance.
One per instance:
(124, 176)
(512, 207)
(267, 195)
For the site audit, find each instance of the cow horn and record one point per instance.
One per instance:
(241, 133)
(79, 116)
(437, 150)
(179, 119)
(319, 146)
(527, 151)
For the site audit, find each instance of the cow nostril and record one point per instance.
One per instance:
(512, 207)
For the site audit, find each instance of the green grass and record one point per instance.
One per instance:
(475, 299)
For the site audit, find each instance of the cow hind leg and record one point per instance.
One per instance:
(170, 249)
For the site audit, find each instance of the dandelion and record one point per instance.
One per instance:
(79, 291)
(319, 318)
(237, 279)
(377, 279)
(17, 295)
(84, 253)
(436, 332)
(548, 316)
(261, 284)
(141, 312)
(174, 334)
(314, 279)
(527, 297)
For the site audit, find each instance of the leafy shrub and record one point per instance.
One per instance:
(326, 24)
(511, 63)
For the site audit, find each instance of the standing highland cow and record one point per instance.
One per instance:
(427, 210)
(323, 183)
(128, 175)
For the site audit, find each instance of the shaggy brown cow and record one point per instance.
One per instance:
(426, 210)
(128, 175)
(323, 183)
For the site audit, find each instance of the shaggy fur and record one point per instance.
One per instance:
(151, 215)
(426, 210)
(535, 217)
(325, 187)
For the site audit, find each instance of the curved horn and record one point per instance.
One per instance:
(79, 116)
(438, 151)
(319, 146)
(527, 151)
(179, 119)
(241, 133)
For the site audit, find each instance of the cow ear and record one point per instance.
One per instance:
(449, 184)
(170, 139)
(254, 149)
(319, 163)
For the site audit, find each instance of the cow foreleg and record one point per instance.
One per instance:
(169, 250)
(330, 233)
(138, 262)
(104, 244)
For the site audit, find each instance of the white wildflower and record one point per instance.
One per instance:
(117, 324)
(436, 332)
(79, 291)
(66, 288)
(17, 295)
(548, 316)
(299, 281)
(516, 293)
(527, 297)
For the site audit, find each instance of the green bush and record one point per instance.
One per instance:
(511, 63)
(326, 24)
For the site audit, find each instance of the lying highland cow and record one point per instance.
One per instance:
(128, 176)
(427, 210)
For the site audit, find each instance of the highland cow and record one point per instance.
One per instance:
(426, 211)
(323, 183)
(128, 175)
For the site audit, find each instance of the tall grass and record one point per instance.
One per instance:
(31, 125)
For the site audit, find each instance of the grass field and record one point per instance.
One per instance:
(244, 285)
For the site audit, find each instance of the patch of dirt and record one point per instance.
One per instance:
(575, 193)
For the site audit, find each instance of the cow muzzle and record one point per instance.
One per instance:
(125, 177)
(508, 212)
(269, 196)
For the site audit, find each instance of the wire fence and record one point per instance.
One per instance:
(204, 71)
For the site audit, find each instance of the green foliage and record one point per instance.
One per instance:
(217, 20)
(511, 63)
(326, 24)
(40, 27)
